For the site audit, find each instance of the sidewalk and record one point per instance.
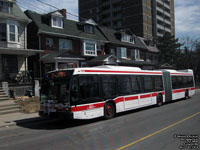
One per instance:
(16, 118)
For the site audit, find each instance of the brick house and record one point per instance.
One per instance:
(13, 42)
(66, 43)
(129, 49)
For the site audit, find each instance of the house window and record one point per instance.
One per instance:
(18, 34)
(99, 47)
(90, 48)
(127, 38)
(65, 44)
(137, 54)
(146, 9)
(121, 52)
(89, 28)
(146, 18)
(57, 22)
(49, 42)
(146, 27)
(13, 33)
(3, 32)
(4, 7)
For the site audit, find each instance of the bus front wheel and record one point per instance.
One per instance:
(159, 100)
(109, 110)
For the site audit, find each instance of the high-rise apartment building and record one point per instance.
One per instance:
(163, 17)
(145, 18)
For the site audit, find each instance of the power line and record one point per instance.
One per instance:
(28, 3)
(28, 6)
(59, 9)
(47, 4)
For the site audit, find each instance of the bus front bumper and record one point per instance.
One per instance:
(62, 115)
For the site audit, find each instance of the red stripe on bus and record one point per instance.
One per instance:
(131, 98)
(182, 74)
(154, 94)
(192, 88)
(178, 91)
(107, 71)
(119, 99)
(163, 93)
(145, 96)
(86, 107)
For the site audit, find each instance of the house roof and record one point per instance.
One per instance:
(15, 13)
(100, 58)
(110, 35)
(70, 28)
(133, 62)
(59, 55)
(149, 47)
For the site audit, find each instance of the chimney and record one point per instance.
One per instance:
(64, 12)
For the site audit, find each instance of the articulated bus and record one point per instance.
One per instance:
(86, 93)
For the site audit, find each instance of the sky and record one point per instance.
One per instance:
(187, 13)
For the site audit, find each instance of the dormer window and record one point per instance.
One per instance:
(4, 7)
(57, 22)
(128, 38)
(89, 28)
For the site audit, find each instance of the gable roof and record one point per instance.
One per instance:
(15, 13)
(149, 47)
(110, 34)
(102, 58)
(59, 54)
(70, 28)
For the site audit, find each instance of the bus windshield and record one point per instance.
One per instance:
(56, 85)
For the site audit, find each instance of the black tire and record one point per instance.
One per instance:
(109, 110)
(159, 100)
(186, 94)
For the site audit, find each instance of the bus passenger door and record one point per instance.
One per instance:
(146, 98)
(132, 100)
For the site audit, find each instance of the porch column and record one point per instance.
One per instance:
(56, 65)
(77, 64)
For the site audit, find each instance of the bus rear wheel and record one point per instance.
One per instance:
(159, 100)
(109, 110)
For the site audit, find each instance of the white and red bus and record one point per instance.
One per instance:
(86, 93)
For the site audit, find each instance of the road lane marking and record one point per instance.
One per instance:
(150, 135)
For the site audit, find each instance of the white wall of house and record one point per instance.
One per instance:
(0, 68)
(22, 63)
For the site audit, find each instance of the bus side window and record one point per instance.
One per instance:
(179, 82)
(148, 84)
(174, 82)
(109, 87)
(124, 86)
(185, 84)
(89, 88)
(135, 83)
(158, 83)
(190, 82)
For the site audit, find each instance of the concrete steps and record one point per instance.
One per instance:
(8, 107)
(3, 96)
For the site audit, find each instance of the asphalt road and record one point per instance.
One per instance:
(153, 128)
